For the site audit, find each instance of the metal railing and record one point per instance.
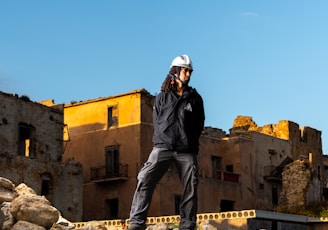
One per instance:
(227, 176)
(103, 172)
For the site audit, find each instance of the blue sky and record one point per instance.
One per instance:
(264, 59)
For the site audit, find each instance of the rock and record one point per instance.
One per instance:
(6, 184)
(62, 223)
(60, 227)
(28, 207)
(94, 225)
(2, 218)
(9, 220)
(22, 209)
(160, 226)
(24, 225)
(207, 225)
(6, 195)
(23, 189)
(6, 190)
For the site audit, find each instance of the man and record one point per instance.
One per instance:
(178, 119)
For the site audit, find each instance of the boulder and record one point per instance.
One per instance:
(9, 220)
(23, 189)
(22, 209)
(5, 183)
(24, 225)
(7, 192)
(28, 207)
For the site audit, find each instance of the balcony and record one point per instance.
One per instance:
(227, 176)
(103, 173)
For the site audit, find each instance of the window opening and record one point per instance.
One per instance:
(111, 209)
(229, 168)
(261, 186)
(112, 116)
(274, 194)
(303, 135)
(325, 193)
(46, 186)
(272, 151)
(216, 165)
(112, 161)
(226, 205)
(24, 140)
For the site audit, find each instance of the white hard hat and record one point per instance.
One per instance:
(182, 61)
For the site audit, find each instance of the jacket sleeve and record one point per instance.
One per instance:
(200, 115)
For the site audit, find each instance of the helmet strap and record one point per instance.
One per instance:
(177, 71)
(184, 83)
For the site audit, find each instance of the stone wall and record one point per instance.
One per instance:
(31, 149)
(285, 129)
(42, 126)
(214, 132)
(295, 185)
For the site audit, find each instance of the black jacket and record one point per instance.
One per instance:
(178, 121)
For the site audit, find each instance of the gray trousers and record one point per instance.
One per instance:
(153, 170)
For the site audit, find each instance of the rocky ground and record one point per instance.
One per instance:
(22, 209)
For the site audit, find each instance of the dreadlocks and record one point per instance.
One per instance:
(169, 83)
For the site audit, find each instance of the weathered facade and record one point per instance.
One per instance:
(241, 171)
(31, 148)
(273, 148)
(112, 138)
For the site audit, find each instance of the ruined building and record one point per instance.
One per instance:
(31, 148)
(112, 137)
(275, 148)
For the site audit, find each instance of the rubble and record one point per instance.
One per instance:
(22, 209)
(6, 190)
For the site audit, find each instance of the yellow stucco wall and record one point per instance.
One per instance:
(126, 107)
